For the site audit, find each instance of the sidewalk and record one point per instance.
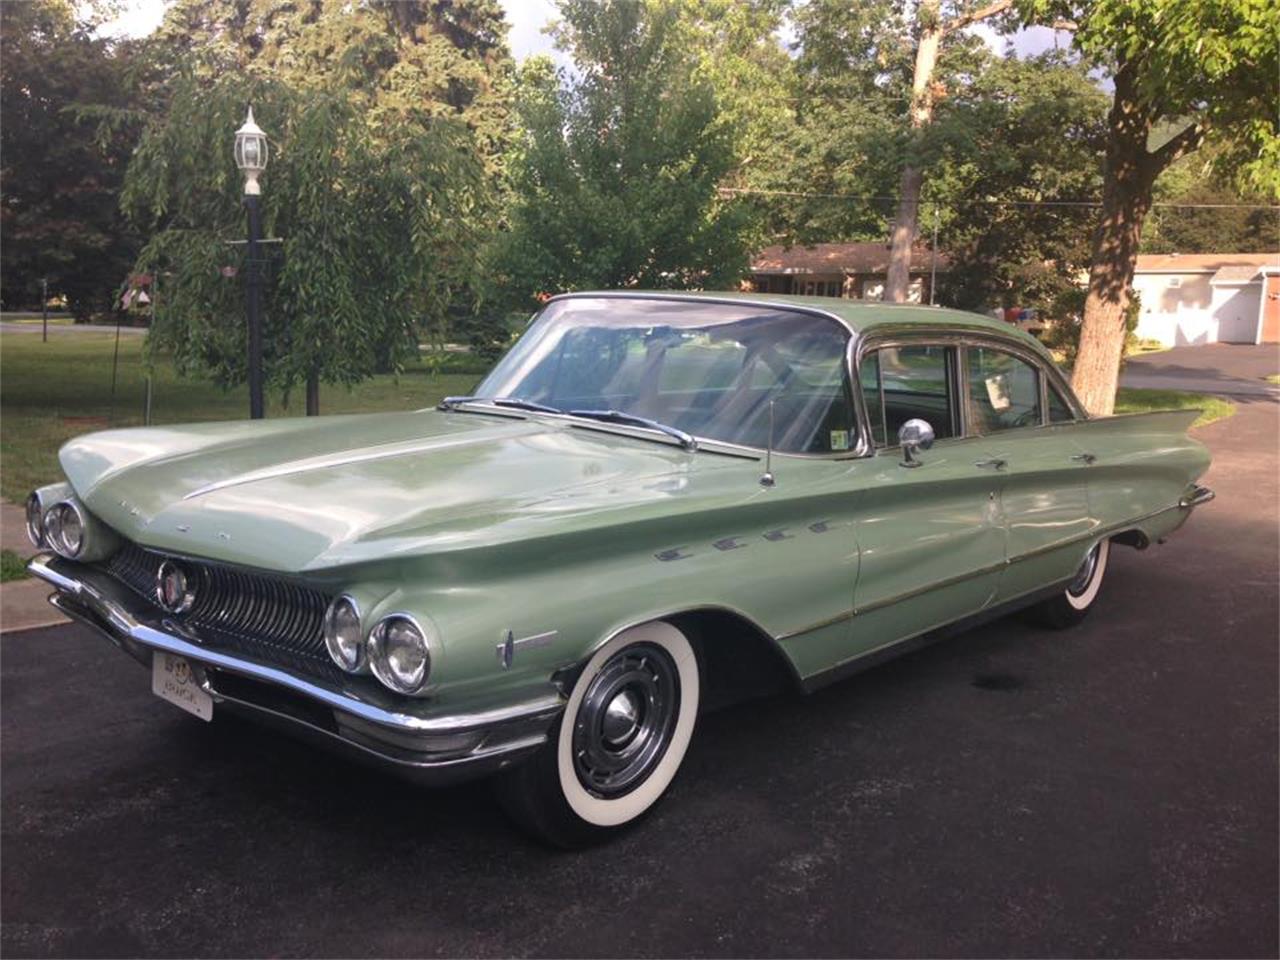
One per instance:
(23, 603)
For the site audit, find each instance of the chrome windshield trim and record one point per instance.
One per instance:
(122, 621)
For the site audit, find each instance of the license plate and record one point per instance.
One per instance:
(172, 680)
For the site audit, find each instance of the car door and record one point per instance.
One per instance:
(930, 537)
(1041, 471)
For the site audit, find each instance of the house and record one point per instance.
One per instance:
(850, 270)
(1207, 298)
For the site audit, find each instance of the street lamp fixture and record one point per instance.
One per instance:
(251, 157)
(251, 154)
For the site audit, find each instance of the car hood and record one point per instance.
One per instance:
(306, 494)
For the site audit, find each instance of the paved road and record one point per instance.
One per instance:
(1226, 368)
(1111, 791)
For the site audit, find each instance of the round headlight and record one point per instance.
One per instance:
(72, 536)
(64, 529)
(398, 654)
(35, 520)
(53, 526)
(342, 635)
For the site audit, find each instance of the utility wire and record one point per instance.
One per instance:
(748, 191)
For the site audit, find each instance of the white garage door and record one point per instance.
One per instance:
(1237, 312)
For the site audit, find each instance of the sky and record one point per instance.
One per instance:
(527, 18)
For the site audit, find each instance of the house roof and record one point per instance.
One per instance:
(870, 257)
(1235, 274)
(1202, 262)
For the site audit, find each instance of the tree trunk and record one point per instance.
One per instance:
(905, 224)
(1128, 176)
(313, 394)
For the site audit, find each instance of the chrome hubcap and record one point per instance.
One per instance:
(1081, 583)
(625, 720)
(621, 718)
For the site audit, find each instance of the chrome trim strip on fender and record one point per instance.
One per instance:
(1197, 497)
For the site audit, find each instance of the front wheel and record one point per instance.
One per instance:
(623, 735)
(1073, 604)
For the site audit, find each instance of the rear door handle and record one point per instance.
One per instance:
(1085, 458)
(995, 463)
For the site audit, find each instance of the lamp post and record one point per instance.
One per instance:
(251, 158)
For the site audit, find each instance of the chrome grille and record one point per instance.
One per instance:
(270, 619)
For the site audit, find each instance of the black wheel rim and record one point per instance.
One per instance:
(1081, 583)
(625, 720)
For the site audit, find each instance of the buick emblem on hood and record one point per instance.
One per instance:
(173, 590)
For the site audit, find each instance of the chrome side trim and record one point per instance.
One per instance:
(1194, 499)
(119, 621)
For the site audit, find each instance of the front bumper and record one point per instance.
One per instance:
(417, 738)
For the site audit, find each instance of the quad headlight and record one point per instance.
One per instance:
(400, 653)
(35, 519)
(343, 636)
(64, 528)
(56, 520)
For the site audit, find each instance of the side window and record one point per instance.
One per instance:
(869, 377)
(1004, 392)
(905, 383)
(1059, 409)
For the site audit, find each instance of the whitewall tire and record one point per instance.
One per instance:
(1074, 603)
(624, 733)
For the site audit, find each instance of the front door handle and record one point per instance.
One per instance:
(1085, 458)
(995, 463)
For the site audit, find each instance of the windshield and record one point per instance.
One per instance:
(709, 369)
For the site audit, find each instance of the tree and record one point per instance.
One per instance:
(933, 28)
(1222, 225)
(1207, 66)
(379, 229)
(444, 58)
(1027, 136)
(616, 172)
(61, 173)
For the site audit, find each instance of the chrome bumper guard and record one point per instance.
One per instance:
(1195, 497)
(417, 738)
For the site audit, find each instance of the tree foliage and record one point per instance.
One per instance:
(1190, 72)
(616, 173)
(61, 174)
(379, 229)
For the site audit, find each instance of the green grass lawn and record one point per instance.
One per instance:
(1130, 400)
(50, 392)
(12, 566)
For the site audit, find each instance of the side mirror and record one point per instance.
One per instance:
(914, 436)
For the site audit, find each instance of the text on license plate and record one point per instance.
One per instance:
(172, 680)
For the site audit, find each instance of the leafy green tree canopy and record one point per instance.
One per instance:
(616, 173)
(1186, 73)
(61, 174)
(379, 229)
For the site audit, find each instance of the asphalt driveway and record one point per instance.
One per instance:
(1109, 791)
(1231, 369)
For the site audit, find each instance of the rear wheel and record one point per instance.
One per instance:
(624, 732)
(1073, 604)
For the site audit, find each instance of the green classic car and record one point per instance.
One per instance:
(653, 505)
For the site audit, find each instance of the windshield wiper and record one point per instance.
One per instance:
(515, 403)
(618, 416)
